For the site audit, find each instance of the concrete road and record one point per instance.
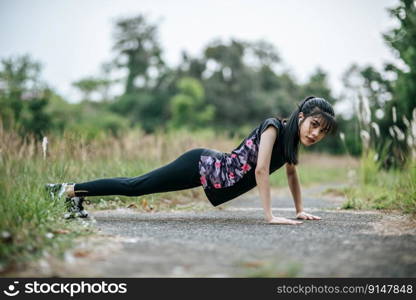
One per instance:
(236, 241)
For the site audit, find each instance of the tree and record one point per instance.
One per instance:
(89, 85)
(391, 94)
(19, 76)
(231, 85)
(402, 40)
(23, 96)
(188, 108)
(145, 98)
(138, 51)
(317, 85)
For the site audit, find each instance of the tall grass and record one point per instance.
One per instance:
(375, 187)
(381, 189)
(29, 222)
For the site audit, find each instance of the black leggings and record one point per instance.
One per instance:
(180, 174)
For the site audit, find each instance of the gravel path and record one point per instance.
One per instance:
(235, 241)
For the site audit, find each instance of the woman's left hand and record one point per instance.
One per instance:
(305, 216)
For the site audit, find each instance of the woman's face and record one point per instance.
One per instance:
(311, 130)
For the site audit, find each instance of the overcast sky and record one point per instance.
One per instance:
(72, 38)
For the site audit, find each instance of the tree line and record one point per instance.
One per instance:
(232, 85)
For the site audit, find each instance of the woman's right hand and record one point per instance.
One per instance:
(282, 221)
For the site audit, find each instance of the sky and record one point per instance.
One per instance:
(73, 38)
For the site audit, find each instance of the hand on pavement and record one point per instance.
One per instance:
(305, 216)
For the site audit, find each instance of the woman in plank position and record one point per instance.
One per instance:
(224, 176)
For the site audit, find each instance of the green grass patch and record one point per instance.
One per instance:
(30, 222)
(311, 175)
(375, 188)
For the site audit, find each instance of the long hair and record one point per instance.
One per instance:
(310, 106)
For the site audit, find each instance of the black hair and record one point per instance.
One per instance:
(310, 106)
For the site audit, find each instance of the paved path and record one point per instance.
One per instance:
(235, 241)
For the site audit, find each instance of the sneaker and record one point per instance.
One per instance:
(75, 208)
(73, 204)
(57, 190)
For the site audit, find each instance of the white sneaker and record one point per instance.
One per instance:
(73, 204)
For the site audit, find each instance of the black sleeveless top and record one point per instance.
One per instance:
(224, 176)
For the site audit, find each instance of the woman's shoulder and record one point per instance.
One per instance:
(274, 121)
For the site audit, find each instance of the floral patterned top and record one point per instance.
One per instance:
(227, 175)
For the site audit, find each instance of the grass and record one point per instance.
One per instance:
(375, 188)
(31, 224)
(315, 168)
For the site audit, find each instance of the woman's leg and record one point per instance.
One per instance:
(182, 173)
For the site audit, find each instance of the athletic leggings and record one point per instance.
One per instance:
(180, 174)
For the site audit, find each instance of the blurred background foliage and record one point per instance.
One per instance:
(229, 88)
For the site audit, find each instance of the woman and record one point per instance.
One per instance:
(224, 176)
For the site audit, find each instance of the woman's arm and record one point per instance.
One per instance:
(262, 173)
(263, 166)
(293, 181)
